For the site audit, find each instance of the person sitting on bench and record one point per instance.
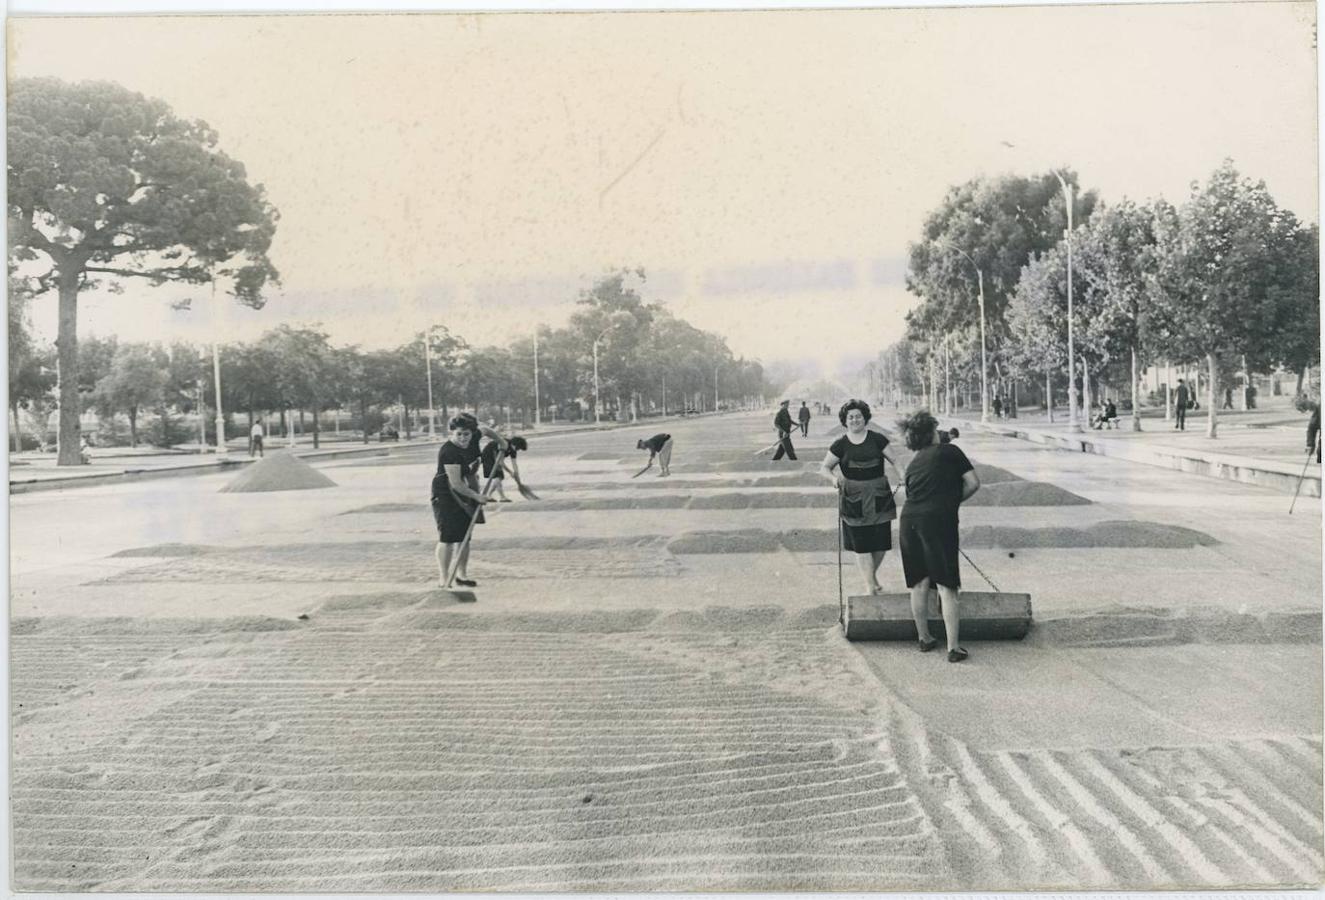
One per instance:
(1108, 417)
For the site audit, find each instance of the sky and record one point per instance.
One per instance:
(767, 169)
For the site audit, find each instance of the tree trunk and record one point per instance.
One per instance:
(1013, 395)
(1212, 420)
(317, 417)
(18, 429)
(408, 433)
(1136, 393)
(69, 453)
(285, 427)
(1049, 393)
(1301, 377)
(133, 426)
(1084, 412)
(1168, 393)
(303, 428)
(363, 419)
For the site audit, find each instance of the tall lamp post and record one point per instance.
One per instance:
(538, 414)
(216, 376)
(597, 406)
(1069, 198)
(984, 351)
(427, 356)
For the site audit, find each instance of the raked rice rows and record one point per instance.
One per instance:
(294, 760)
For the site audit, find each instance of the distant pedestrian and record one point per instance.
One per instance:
(939, 479)
(660, 446)
(804, 418)
(455, 501)
(1313, 431)
(782, 422)
(1180, 401)
(855, 463)
(998, 407)
(1228, 398)
(1251, 396)
(255, 436)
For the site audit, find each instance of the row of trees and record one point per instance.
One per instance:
(648, 362)
(1227, 281)
(106, 187)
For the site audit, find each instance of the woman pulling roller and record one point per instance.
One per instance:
(855, 463)
(939, 479)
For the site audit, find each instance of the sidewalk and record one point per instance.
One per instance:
(1265, 447)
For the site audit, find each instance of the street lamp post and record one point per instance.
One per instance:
(984, 349)
(216, 375)
(1069, 199)
(597, 407)
(947, 374)
(538, 415)
(427, 355)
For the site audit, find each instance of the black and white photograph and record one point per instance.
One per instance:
(608, 450)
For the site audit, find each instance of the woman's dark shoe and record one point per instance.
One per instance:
(465, 582)
(926, 646)
(957, 655)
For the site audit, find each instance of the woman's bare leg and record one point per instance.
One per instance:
(443, 562)
(920, 610)
(865, 562)
(951, 615)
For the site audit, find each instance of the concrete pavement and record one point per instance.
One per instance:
(702, 701)
(1265, 447)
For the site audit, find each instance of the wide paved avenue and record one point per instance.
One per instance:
(265, 692)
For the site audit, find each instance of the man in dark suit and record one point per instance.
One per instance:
(782, 422)
(1182, 399)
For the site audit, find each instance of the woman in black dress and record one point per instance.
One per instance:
(939, 478)
(454, 499)
(855, 463)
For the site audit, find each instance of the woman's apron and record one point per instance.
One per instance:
(866, 502)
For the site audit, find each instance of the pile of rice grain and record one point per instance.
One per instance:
(279, 472)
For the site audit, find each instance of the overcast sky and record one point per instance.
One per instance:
(767, 169)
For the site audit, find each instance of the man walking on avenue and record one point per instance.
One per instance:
(1181, 401)
(255, 436)
(804, 417)
(782, 422)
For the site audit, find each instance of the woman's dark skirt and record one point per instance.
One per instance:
(929, 548)
(867, 538)
(450, 515)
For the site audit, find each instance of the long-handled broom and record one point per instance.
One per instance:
(1302, 477)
